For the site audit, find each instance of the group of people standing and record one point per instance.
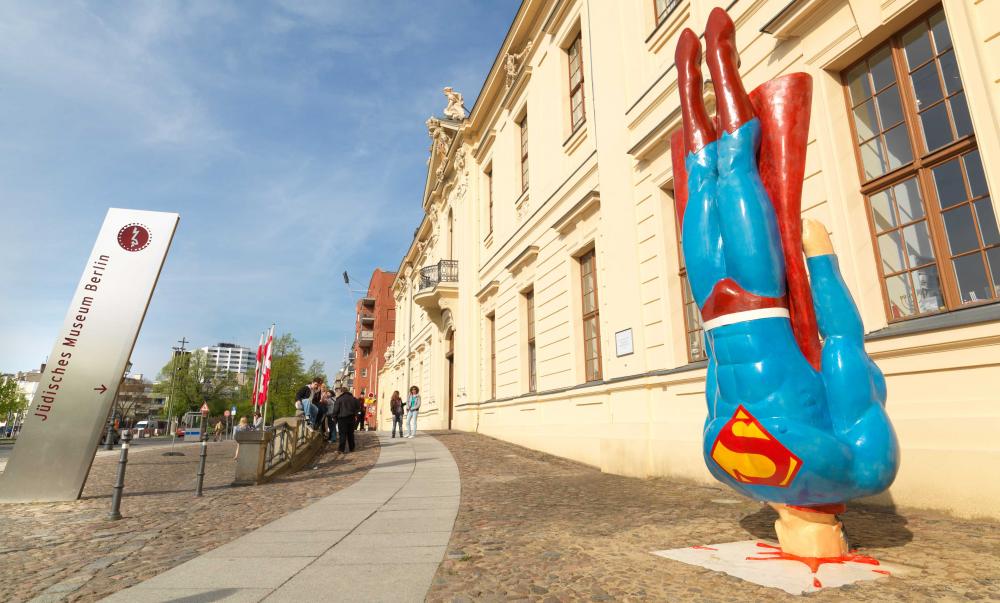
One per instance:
(411, 407)
(335, 412)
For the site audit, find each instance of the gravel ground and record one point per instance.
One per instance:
(70, 551)
(536, 527)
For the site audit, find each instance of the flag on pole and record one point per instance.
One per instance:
(265, 380)
(256, 370)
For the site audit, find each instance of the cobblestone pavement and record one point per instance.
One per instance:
(535, 527)
(70, 551)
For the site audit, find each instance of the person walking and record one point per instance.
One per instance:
(345, 408)
(396, 407)
(217, 431)
(412, 410)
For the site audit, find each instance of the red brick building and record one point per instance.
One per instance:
(375, 329)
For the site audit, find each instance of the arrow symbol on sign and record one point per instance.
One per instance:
(101, 389)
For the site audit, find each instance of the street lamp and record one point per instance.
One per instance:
(178, 356)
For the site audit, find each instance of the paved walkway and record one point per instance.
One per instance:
(380, 539)
(533, 527)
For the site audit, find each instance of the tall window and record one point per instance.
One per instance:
(931, 214)
(491, 324)
(663, 8)
(591, 317)
(489, 197)
(694, 332)
(575, 52)
(529, 301)
(524, 154)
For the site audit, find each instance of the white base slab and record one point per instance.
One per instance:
(793, 577)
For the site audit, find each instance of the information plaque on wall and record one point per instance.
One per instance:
(623, 342)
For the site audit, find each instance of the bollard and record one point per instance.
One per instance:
(109, 439)
(116, 496)
(201, 463)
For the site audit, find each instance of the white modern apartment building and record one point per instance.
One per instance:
(229, 357)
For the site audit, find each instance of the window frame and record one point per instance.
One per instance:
(669, 7)
(585, 260)
(920, 168)
(686, 293)
(491, 320)
(532, 350)
(523, 125)
(488, 172)
(577, 44)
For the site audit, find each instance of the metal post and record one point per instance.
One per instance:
(170, 401)
(116, 496)
(109, 438)
(204, 455)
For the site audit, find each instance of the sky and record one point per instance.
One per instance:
(288, 134)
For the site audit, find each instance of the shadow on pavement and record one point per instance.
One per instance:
(866, 526)
(207, 597)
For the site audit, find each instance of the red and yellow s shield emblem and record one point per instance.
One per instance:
(751, 455)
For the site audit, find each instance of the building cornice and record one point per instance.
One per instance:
(490, 289)
(590, 203)
(523, 259)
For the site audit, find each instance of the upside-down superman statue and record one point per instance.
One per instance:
(799, 425)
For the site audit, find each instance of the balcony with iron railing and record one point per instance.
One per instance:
(445, 271)
(438, 286)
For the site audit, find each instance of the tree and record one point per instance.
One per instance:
(12, 399)
(287, 375)
(316, 369)
(195, 382)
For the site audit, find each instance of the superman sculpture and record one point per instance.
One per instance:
(791, 421)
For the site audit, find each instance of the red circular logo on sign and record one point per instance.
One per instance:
(133, 237)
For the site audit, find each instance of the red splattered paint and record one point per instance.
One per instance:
(813, 563)
(880, 571)
(704, 548)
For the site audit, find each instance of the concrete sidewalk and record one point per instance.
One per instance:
(380, 539)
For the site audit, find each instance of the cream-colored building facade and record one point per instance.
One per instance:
(553, 199)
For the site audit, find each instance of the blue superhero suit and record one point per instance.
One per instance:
(777, 430)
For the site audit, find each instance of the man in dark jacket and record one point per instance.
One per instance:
(345, 409)
(304, 399)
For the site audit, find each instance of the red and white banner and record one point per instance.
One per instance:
(256, 370)
(265, 379)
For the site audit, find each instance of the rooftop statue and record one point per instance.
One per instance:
(796, 408)
(456, 105)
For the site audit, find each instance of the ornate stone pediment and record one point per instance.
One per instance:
(440, 138)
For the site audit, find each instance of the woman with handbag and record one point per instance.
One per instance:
(396, 407)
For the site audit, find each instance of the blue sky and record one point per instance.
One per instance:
(288, 134)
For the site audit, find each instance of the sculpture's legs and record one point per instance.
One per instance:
(809, 533)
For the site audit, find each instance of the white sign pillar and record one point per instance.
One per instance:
(68, 413)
